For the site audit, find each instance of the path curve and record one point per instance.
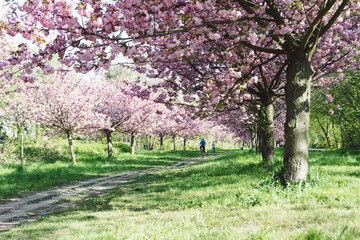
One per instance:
(38, 204)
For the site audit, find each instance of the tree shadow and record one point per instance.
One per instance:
(163, 190)
(60, 171)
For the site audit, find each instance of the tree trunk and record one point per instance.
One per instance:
(267, 138)
(174, 137)
(36, 133)
(109, 143)
(22, 150)
(184, 144)
(336, 139)
(152, 143)
(296, 153)
(259, 135)
(71, 146)
(325, 132)
(161, 142)
(132, 143)
(342, 136)
(252, 138)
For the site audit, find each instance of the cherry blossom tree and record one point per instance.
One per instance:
(17, 111)
(260, 93)
(180, 122)
(164, 123)
(141, 119)
(220, 133)
(65, 104)
(240, 122)
(115, 103)
(239, 35)
(192, 127)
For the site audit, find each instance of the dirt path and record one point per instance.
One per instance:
(31, 207)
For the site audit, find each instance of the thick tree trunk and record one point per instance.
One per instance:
(71, 146)
(267, 138)
(132, 143)
(161, 142)
(296, 153)
(22, 150)
(184, 144)
(109, 143)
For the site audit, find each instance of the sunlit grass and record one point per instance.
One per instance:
(92, 162)
(230, 197)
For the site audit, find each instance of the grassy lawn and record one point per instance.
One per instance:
(230, 197)
(92, 162)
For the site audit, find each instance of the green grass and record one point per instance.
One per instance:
(230, 197)
(92, 162)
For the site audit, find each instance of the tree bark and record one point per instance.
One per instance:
(252, 138)
(342, 136)
(71, 146)
(325, 132)
(174, 137)
(152, 143)
(184, 144)
(109, 143)
(161, 142)
(132, 143)
(36, 133)
(336, 139)
(267, 138)
(258, 139)
(22, 150)
(296, 153)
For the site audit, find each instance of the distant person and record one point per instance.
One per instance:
(202, 146)
(213, 147)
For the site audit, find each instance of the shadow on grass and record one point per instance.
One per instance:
(166, 190)
(236, 175)
(44, 174)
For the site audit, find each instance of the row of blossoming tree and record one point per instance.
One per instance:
(66, 104)
(213, 51)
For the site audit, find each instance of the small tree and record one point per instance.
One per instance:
(115, 104)
(141, 119)
(16, 110)
(65, 104)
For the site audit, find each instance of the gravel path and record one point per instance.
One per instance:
(31, 207)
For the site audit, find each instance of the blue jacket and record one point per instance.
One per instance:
(202, 143)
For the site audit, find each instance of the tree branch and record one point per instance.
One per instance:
(333, 18)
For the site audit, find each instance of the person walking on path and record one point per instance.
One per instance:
(213, 147)
(202, 146)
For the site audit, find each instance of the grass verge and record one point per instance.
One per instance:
(230, 197)
(92, 162)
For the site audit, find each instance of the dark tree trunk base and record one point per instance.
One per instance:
(298, 79)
